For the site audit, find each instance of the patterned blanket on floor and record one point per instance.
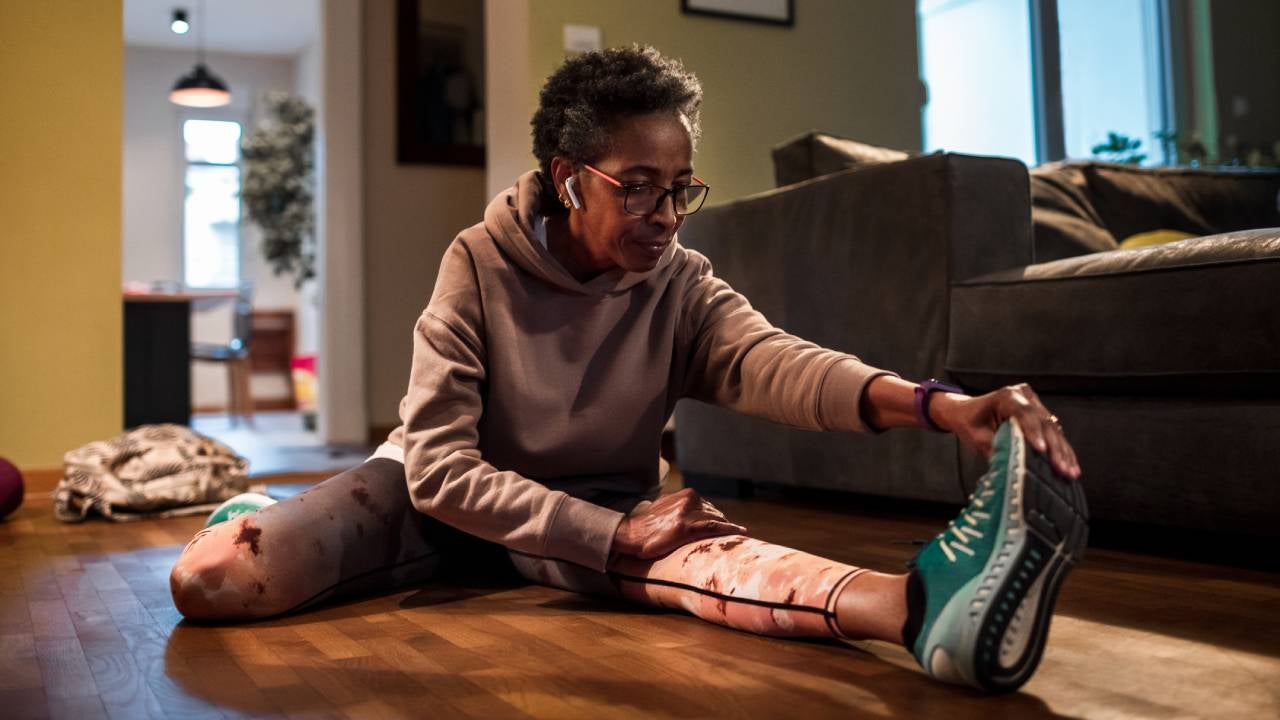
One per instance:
(149, 472)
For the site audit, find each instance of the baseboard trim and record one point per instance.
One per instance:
(281, 403)
(40, 481)
(719, 485)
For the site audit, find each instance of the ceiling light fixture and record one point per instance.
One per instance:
(179, 25)
(200, 87)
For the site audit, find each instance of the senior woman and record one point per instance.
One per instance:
(562, 330)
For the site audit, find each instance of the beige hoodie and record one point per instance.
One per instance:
(536, 402)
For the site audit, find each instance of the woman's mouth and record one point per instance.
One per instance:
(654, 248)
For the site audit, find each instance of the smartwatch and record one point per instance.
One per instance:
(925, 391)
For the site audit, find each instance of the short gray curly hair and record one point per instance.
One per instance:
(584, 97)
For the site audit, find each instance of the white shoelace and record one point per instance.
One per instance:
(971, 516)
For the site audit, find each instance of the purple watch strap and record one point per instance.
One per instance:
(924, 391)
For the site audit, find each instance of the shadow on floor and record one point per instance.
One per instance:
(413, 674)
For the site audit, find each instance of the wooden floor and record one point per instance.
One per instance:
(87, 630)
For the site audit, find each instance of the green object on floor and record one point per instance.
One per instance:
(242, 504)
(990, 579)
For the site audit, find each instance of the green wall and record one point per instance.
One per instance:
(61, 74)
(846, 67)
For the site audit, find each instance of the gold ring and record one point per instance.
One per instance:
(1054, 419)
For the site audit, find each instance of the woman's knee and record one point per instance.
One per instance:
(275, 559)
(213, 581)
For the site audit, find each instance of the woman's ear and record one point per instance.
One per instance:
(562, 178)
(561, 170)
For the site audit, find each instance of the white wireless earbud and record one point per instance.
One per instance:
(573, 196)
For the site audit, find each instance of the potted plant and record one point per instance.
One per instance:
(277, 189)
(278, 196)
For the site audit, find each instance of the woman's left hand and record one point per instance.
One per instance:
(974, 420)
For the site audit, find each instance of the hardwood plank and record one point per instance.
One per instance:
(19, 668)
(24, 704)
(97, 632)
(222, 683)
(64, 669)
(50, 619)
(125, 692)
(260, 663)
(39, 581)
(330, 641)
(86, 707)
(163, 670)
(15, 616)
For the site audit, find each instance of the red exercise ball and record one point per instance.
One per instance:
(10, 488)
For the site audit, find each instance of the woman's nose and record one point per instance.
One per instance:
(665, 213)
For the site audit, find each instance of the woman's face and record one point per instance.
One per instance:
(655, 148)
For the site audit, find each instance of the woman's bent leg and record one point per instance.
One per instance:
(355, 532)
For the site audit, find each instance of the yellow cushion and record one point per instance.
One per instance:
(1154, 237)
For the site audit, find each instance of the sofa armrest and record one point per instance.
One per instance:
(859, 261)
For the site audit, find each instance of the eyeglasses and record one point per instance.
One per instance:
(643, 198)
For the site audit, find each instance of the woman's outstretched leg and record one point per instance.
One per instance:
(975, 608)
(355, 532)
(769, 589)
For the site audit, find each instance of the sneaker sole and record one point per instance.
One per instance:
(1055, 517)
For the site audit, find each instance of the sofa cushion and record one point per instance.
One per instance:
(1132, 200)
(1199, 316)
(1057, 235)
(815, 154)
(1064, 221)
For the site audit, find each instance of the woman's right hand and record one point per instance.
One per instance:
(669, 522)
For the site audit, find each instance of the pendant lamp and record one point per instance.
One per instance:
(200, 87)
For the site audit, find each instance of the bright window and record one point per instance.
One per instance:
(211, 210)
(975, 56)
(980, 63)
(1111, 74)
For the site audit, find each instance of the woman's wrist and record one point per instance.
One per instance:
(942, 409)
(889, 401)
(622, 538)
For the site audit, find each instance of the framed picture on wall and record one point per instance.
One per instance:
(773, 12)
(440, 82)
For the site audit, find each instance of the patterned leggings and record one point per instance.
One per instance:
(358, 533)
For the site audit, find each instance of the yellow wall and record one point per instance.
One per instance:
(61, 77)
(849, 68)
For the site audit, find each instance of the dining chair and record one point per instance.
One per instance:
(234, 354)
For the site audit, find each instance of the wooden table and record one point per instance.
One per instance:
(157, 353)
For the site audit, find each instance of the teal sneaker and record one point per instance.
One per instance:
(241, 504)
(981, 594)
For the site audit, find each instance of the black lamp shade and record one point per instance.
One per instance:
(200, 88)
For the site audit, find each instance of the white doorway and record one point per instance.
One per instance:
(311, 50)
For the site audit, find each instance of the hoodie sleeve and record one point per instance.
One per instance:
(740, 361)
(448, 479)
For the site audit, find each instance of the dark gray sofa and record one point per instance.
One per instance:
(1162, 362)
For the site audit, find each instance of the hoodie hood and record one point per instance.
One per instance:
(509, 219)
